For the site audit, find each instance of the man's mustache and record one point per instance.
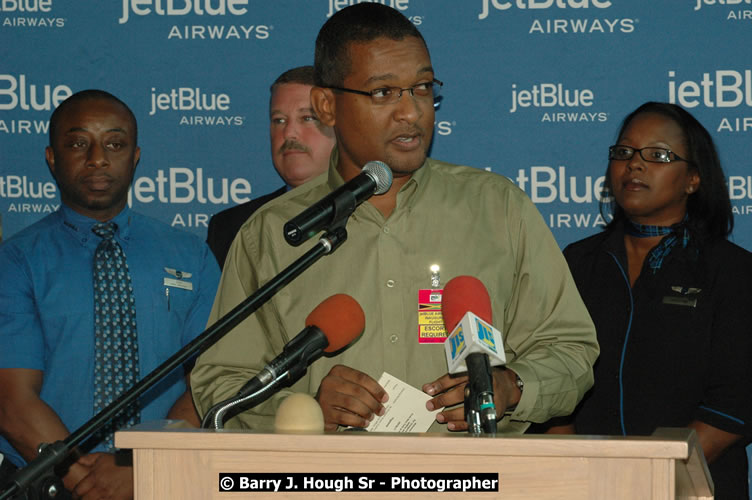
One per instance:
(293, 145)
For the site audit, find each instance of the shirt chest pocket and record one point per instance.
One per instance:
(177, 299)
(170, 302)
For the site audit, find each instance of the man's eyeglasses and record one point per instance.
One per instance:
(652, 155)
(390, 95)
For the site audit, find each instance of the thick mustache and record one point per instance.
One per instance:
(415, 130)
(293, 145)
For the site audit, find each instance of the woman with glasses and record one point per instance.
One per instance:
(670, 296)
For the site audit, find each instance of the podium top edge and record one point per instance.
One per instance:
(665, 443)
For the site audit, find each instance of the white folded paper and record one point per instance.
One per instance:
(406, 409)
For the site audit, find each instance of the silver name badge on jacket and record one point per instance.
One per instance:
(179, 280)
(689, 298)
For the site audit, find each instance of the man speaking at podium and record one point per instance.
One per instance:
(375, 85)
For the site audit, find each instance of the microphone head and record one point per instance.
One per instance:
(381, 174)
(299, 412)
(340, 318)
(465, 294)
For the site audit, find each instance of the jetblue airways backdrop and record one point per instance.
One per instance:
(534, 90)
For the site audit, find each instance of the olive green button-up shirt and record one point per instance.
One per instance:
(466, 221)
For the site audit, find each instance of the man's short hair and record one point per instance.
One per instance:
(360, 23)
(302, 75)
(88, 95)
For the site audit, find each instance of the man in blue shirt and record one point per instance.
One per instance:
(46, 295)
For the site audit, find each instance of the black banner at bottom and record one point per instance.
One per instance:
(336, 482)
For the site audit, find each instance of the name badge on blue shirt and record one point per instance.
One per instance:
(179, 280)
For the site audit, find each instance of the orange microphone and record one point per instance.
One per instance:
(331, 326)
(465, 294)
(340, 318)
(473, 345)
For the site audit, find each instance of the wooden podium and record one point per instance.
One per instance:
(173, 462)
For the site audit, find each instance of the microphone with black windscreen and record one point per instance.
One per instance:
(374, 179)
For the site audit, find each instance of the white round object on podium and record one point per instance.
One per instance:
(299, 413)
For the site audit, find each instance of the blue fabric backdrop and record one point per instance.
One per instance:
(534, 90)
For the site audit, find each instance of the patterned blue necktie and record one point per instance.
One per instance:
(115, 336)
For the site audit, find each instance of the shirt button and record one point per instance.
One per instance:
(390, 283)
(393, 339)
(386, 229)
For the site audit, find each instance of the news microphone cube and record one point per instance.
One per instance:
(472, 335)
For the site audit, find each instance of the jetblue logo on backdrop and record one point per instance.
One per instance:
(206, 108)
(562, 26)
(540, 4)
(20, 186)
(16, 94)
(19, 6)
(337, 5)
(722, 88)
(183, 8)
(735, 14)
(218, 32)
(201, 9)
(545, 185)
(28, 196)
(29, 14)
(558, 103)
(401, 5)
(181, 186)
(727, 89)
(578, 26)
(740, 192)
(700, 3)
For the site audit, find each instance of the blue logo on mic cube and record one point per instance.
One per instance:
(471, 335)
(486, 334)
